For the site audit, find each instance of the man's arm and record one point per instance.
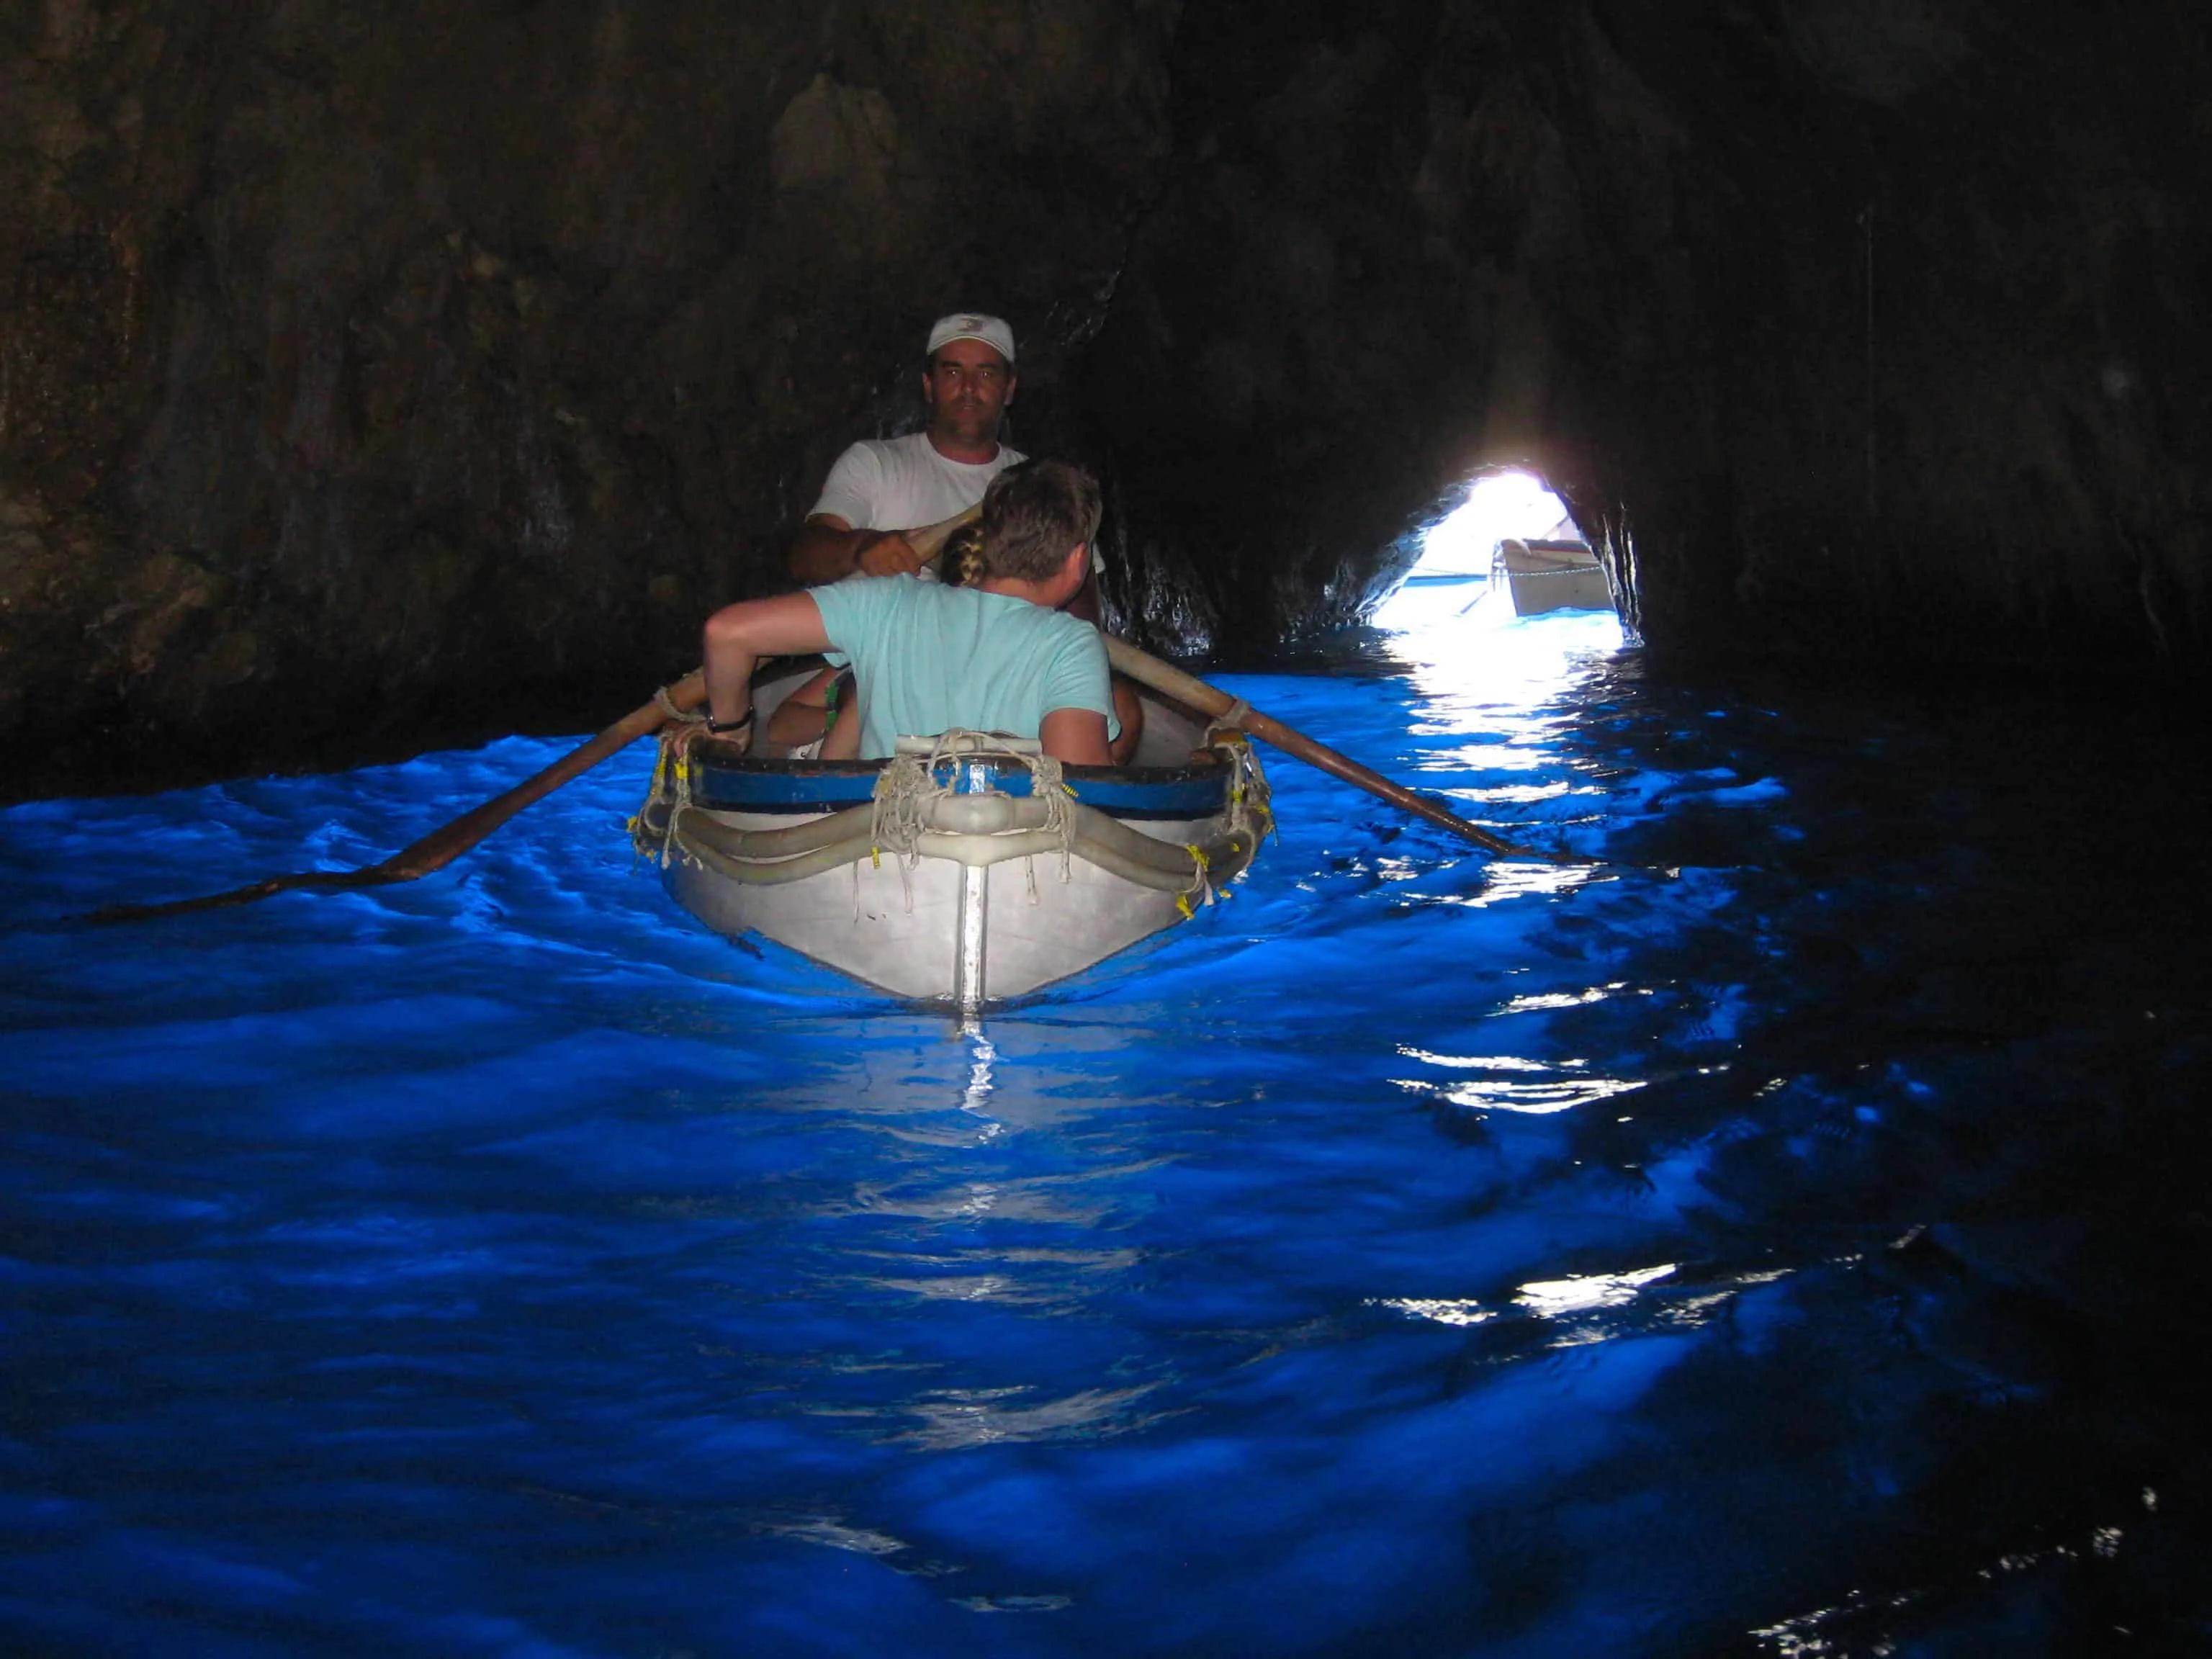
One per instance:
(1075, 737)
(828, 550)
(738, 635)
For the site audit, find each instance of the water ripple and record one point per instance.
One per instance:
(1775, 1238)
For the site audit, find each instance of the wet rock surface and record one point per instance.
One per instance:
(372, 377)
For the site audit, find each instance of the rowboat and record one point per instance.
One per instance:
(968, 868)
(1551, 575)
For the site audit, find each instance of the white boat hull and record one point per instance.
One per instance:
(959, 878)
(903, 929)
(1552, 576)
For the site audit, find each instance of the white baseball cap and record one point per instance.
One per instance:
(992, 331)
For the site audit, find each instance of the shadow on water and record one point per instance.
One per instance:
(1780, 1239)
(1948, 983)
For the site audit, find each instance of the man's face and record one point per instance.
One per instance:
(967, 386)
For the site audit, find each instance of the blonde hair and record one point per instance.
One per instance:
(962, 565)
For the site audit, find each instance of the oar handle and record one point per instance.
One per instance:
(1170, 681)
(928, 540)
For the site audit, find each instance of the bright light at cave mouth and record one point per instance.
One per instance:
(1450, 580)
(1504, 504)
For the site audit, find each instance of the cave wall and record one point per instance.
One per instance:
(374, 375)
(406, 371)
(1859, 332)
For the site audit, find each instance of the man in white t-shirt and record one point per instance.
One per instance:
(881, 487)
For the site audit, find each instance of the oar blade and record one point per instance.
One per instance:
(443, 845)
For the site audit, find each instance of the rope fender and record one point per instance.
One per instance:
(913, 817)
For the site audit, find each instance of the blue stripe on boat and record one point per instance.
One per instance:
(814, 787)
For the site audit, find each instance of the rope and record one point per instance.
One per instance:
(901, 788)
(1251, 803)
(1230, 719)
(1250, 815)
(912, 816)
(1045, 780)
(1200, 885)
(666, 705)
(908, 786)
(669, 791)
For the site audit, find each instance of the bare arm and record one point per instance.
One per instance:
(1076, 737)
(740, 635)
(828, 550)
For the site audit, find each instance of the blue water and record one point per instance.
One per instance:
(1786, 1238)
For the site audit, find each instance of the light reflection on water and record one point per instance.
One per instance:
(1776, 1234)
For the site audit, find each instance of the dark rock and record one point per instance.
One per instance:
(379, 376)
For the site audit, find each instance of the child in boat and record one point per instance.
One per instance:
(1000, 654)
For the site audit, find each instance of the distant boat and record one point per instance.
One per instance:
(1551, 575)
(966, 869)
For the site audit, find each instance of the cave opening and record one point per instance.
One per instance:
(1459, 577)
(1469, 629)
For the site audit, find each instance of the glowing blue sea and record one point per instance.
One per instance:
(1785, 1239)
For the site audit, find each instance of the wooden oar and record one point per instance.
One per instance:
(1172, 681)
(441, 846)
(929, 540)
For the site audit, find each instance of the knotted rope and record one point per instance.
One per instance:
(672, 781)
(677, 716)
(1230, 719)
(909, 786)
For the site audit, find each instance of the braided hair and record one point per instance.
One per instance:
(961, 564)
